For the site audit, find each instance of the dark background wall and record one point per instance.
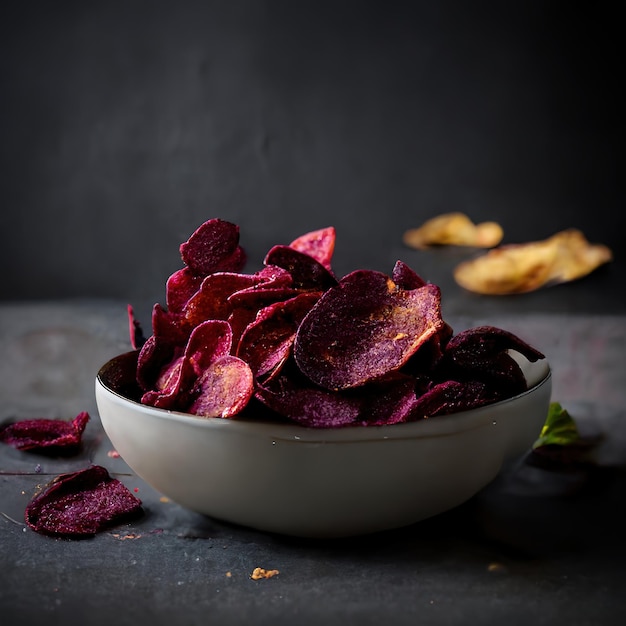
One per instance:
(124, 125)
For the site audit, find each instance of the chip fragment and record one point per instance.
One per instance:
(453, 229)
(81, 504)
(521, 268)
(53, 435)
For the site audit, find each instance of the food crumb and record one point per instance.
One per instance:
(229, 575)
(164, 499)
(126, 536)
(497, 568)
(259, 573)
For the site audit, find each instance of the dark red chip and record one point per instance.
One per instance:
(169, 378)
(306, 271)
(365, 328)
(169, 326)
(170, 335)
(387, 402)
(135, 330)
(319, 244)
(481, 354)
(272, 276)
(247, 303)
(258, 297)
(296, 399)
(81, 504)
(223, 389)
(207, 343)
(180, 287)
(485, 341)
(211, 302)
(153, 357)
(213, 247)
(45, 434)
(174, 394)
(266, 342)
(406, 277)
(427, 357)
(451, 397)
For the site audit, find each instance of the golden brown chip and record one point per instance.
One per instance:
(520, 268)
(453, 229)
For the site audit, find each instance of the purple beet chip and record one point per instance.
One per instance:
(135, 330)
(451, 397)
(406, 277)
(365, 328)
(180, 287)
(208, 342)
(308, 405)
(81, 504)
(319, 244)
(170, 335)
(266, 343)
(223, 389)
(481, 353)
(485, 341)
(387, 402)
(213, 247)
(306, 271)
(45, 434)
(210, 302)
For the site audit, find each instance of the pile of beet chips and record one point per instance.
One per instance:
(321, 351)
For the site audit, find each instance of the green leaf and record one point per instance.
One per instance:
(559, 428)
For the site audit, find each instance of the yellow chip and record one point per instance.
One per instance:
(520, 268)
(453, 229)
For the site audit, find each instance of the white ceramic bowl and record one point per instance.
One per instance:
(305, 482)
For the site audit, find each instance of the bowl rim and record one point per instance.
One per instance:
(538, 374)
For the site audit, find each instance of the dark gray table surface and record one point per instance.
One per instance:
(534, 547)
